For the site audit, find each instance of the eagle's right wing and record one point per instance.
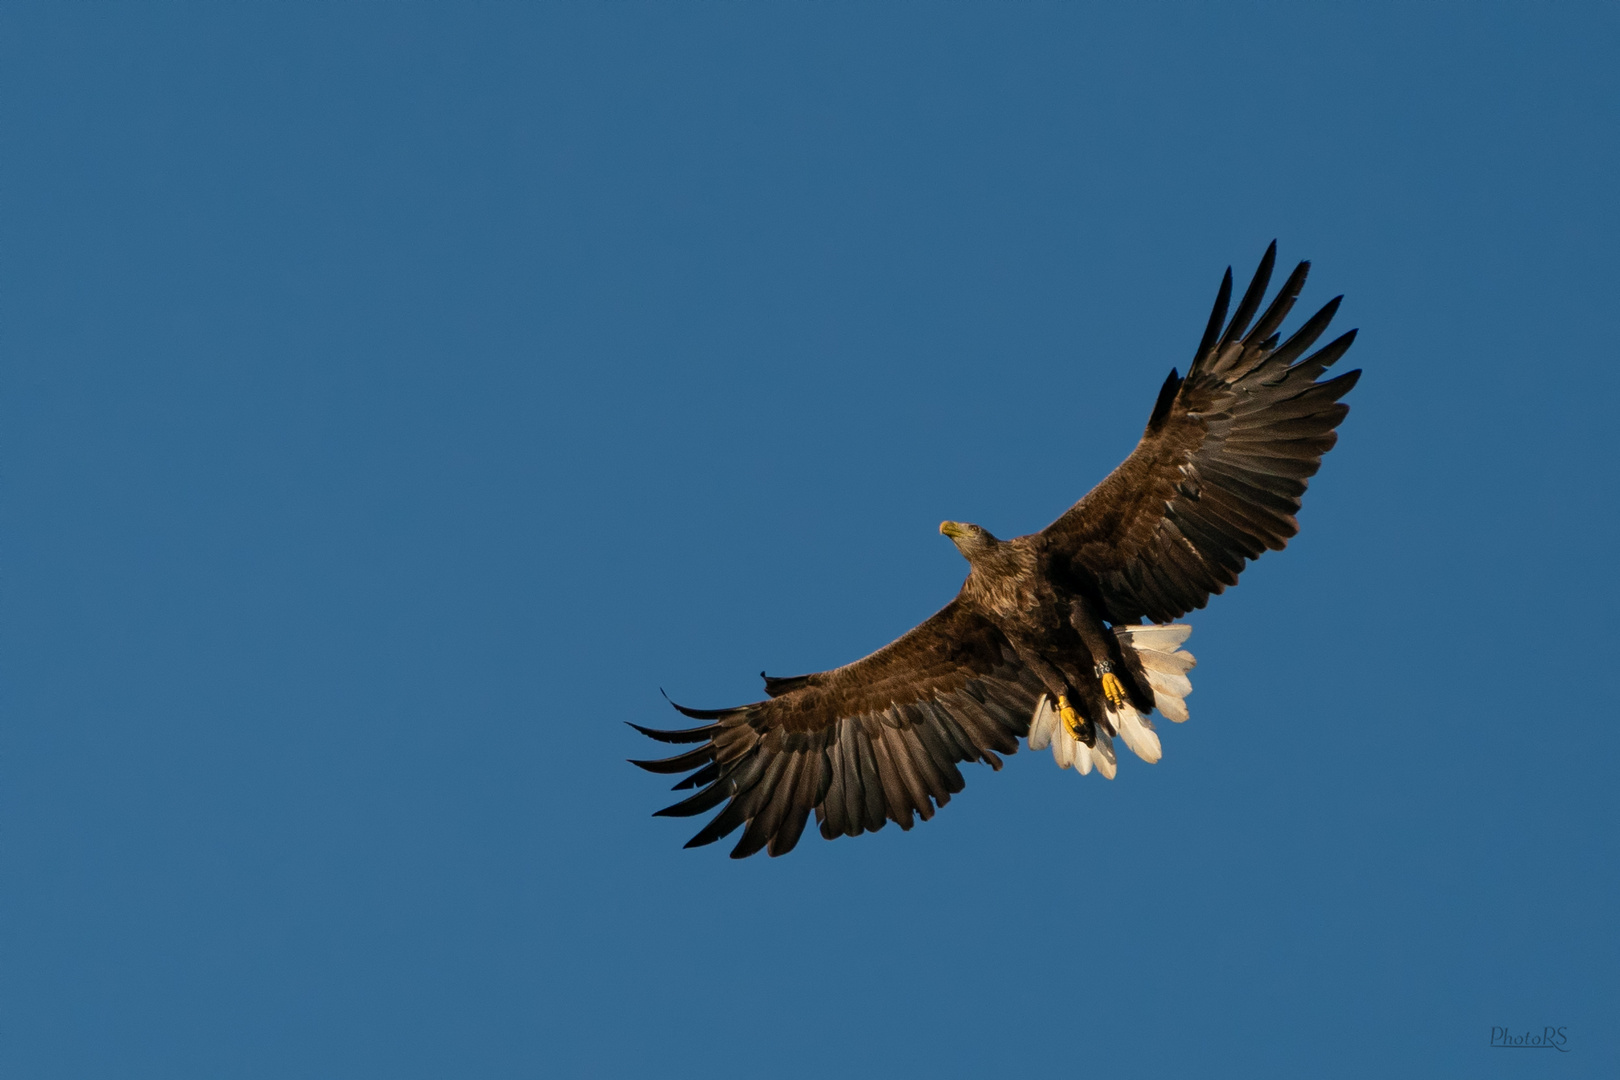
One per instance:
(871, 741)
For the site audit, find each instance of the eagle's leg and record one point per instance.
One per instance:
(1110, 684)
(1104, 649)
(1074, 722)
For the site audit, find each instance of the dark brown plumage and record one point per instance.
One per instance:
(1215, 480)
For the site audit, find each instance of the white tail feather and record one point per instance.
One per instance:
(1172, 663)
(1137, 732)
(1163, 682)
(1154, 653)
(1173, 708)
(1103, 755)
(1163, 665)
(1043, 724)
(1063, 748)
(1156, 638)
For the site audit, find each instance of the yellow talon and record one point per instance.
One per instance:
(1073, 722)
(1112, 687)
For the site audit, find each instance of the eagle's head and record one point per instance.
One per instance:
(970, 540)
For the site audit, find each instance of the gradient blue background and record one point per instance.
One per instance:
(396, 397)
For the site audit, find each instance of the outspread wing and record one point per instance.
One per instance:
(875, 740)
(1218, 475)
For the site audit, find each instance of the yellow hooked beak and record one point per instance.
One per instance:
(951, 529)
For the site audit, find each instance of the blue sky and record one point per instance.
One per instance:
(395, 398)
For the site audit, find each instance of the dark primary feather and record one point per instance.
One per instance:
(1251, 297)
(692, 759)
(1217, 316)
(1218, 475)
(686, 735)
(874, 741)
(1167, 398)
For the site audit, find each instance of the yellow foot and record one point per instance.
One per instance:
(1111, 687)
(1073, 722)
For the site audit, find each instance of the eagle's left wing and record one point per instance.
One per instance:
(1219, 472)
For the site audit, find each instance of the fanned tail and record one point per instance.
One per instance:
(1155, 657)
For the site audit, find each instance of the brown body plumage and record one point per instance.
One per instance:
(1215, 480)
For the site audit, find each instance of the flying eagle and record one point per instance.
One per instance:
(1046, 640)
